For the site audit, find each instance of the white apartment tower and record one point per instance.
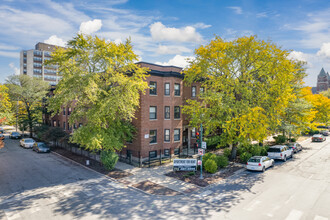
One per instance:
(32, 63)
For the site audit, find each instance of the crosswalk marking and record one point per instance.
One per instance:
(317, 217)
(294, 215)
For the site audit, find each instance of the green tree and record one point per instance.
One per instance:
(326, 93)
(29, 91)
(248, 83)
(102, 84)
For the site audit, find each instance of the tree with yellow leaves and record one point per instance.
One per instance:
(5, 105)
(248, 83)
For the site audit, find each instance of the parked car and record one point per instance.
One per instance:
(2, 130)
(296, 147)
(324, 132)
(318, 138)
(259, 163)
(27, 142)
(2, 136)
(15, 135)
(280, 152)
(41, 147)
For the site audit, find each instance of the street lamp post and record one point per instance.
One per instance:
(201, 142)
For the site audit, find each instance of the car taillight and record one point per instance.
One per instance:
(259, 164)
(247, 163)
(281, 155)
(320, 138)
(292, 147)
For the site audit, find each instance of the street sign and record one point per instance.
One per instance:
(199, 162)
(200, 152)
(184, 164)
(204, 145)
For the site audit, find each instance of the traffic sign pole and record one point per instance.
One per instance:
(201, 140)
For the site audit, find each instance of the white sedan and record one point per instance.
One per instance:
(27, 142)
(259, 163)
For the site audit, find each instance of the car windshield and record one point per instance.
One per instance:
(42, 145)
(14, 133)
(274, 150)
(28, 141)
(290, 145)
(254, 160)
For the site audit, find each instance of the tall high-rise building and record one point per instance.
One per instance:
(32, 63)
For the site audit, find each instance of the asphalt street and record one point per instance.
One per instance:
(45, 186)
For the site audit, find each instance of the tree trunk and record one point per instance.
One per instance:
(30, 120)
(233, 151)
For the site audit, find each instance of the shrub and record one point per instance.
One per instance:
(264, 151)
(280, 139)
(206, 157)
(109, 159)
(222, 161)
(227, 152)
(244, 157)
(211, 166)
(292, 140)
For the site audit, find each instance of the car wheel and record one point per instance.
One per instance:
(292, 155)
(273, 163)
(284, 158)
(263, 169)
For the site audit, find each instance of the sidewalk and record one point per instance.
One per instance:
(156, 175)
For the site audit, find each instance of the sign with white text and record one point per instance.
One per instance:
(184, 164)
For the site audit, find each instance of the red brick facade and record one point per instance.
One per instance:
(141, 146)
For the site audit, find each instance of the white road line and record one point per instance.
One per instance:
(287, 201)
(317, 217)
(253, 205)
(270, 214)
(11, 215)
(294, 215)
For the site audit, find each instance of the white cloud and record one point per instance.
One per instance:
(324, 50)
(54, 40)
(90, 27)
(13, 67)
(237, 10)
(186, 34)
(297, 55)
(8, 47)
(201, 25)
(9, 54)
(162, 49)
(178, 60)
(262, 15)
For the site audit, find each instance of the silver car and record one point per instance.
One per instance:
(259, 163)
(296, 147)
(27, 142)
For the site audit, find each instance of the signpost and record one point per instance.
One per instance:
(184, 164)
(204, 145)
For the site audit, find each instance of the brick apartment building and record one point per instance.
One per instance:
(161, 127)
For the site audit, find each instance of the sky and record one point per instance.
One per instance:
(167, 32)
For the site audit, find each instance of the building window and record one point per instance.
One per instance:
(167, 135)
(69, 126)
(176, 134)
(193, 132)
(193, 91)
(54, 123)
(74, 126)
(64, 126)
(167, 114)
(177, 89)
(69, 111)
(153, 154)
(63, 111)
(166, 152)
(201, 90)
(153, 136)
(167, 89)
(176, 151)
(176, 112)
(153, 112)
(80, 125)
(153, 88)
